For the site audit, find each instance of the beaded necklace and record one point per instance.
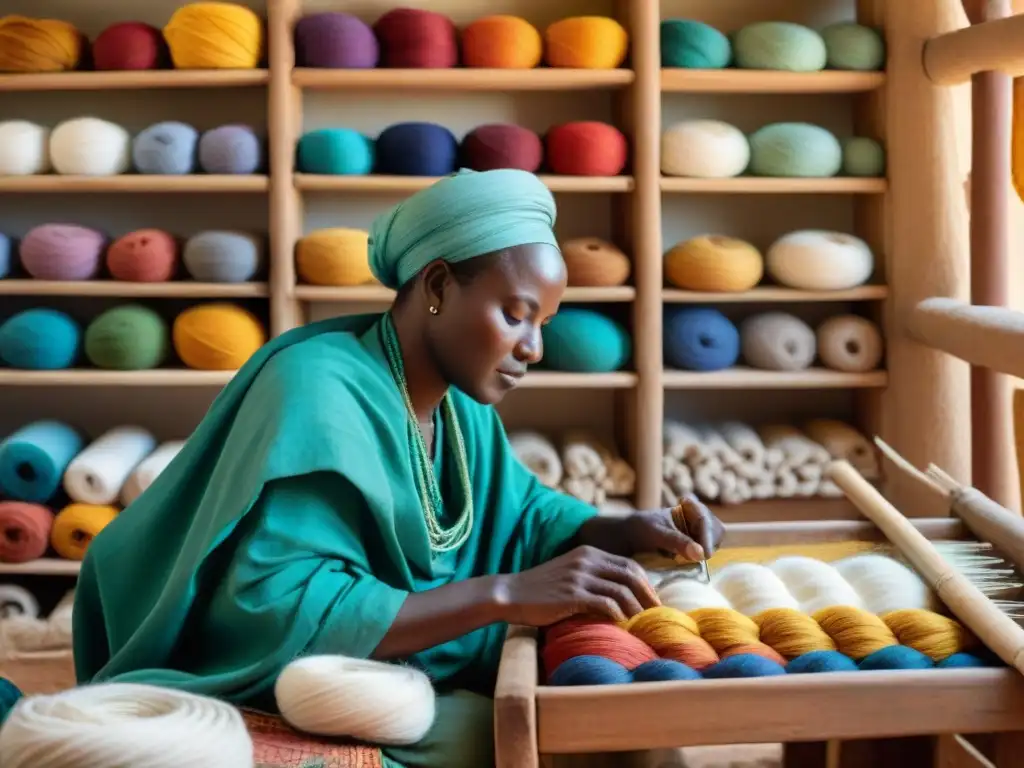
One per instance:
(441, 539)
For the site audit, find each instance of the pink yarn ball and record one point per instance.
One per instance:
(62, 252)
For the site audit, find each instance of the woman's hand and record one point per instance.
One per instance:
(656, 530)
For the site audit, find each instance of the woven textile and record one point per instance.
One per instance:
(279, 746)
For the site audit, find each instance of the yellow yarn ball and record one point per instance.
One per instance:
(215, 36)
(586, 42)
(714, 263)
(217, 337)
(75, 526)
(335, 256)
(38, 45)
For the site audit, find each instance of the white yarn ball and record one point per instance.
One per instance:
(704, 149)
(689, 595)
(120, 724)
(752, 588)
(89, 146)
(885, 584)
(815, 584)
(819, 260)
(23, 149)
(357, 698)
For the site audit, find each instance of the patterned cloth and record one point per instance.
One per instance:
(277, 745)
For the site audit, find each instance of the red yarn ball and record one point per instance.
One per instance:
(129, 45)
(411, 38)
(143, 256)
(489, 147)
(584, 637)
(24, 531)
(586, 149)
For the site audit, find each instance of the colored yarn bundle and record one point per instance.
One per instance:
(332, 40)
(335, 256)
(714, 263)
(29, 631)
(413, 38)
(30, 45)
(215, 35)
(586, 42)
(40, 340)
(501, 42)
(33, 460)
(130, 46)
(217, 336)
(130, 337)
(595, 263)
(584, 341)
(143, 256)
(96, 475)
(76, 525)
(24, 531)
(62, 252)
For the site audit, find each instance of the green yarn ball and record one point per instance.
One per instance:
(128, 338)
(854, 46)
(798, 150)
(863, 157)
(583, 341)
(336, 152)
(693, 45)
(779, 45)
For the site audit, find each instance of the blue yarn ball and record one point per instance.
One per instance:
(584, 341)
(168, 148)
(700, 339)
(964, 660)
(694, 45)
(589, 670)
(40, 340)
(744, 665)
(5, 255)
(821, 661)
(9, 696)
(417, 149)
(895, 657)
(336, 152)
(658, 670)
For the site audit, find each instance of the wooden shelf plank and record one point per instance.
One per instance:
(178, 289)
(130, 183)
(563, 380)
(462, 79)
(85, 377)
(750, 378)
(307, 182)
(143, 80)
(44, 566)
(762, 81)
(377, 293)
(771, 293)
(757, 185)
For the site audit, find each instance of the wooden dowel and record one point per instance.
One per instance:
(990, 337)
(954, 57)
(979, 614)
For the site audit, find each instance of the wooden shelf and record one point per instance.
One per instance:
(86, 377)
(45, 566)
(179, 289)
(795, 509)
(377, 293)
(750, 378)
(774, 294)
(129, 183)
(757, 185)
(562, 380)
(763, 81)
(462, 79)
(308, 182)
(125, 81)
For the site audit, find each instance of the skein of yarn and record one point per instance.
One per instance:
(818, 260)
(332, 40)
(40, 340)
(413, 38)
(143, 256)
(215, 35)
(585, 341)
(586, 42)
(24, 148)
(777, 341)
(127, 338)
(62, 252)
(336, 256)
(33, 460)
(97, 474)
(336, 151)
(693, 45)
(217, 336)
(586, 148)
(89, 146)
(38, 45)
(26, 531)
(489, 147)
(592, 262)
(129, 45)
(501, 42)
(230, 150)
(149, 470)
(850, 343)
(76, 526)
(223, 257)
(796, 150)
(853, 46)
(167, 148)
(416, 149)
(779, 45)
(704, 149)
(714, 263)
(700, 339)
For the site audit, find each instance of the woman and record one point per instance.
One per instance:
(352, 491)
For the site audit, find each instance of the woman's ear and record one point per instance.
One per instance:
(436, 278)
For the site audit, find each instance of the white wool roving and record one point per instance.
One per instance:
(88, 146)
(114, 725)
(23, 148)
(97, 474)
(357, 698)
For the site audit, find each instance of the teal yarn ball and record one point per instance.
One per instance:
(863, 157)
(583, 341)
(779, 45)
(853, 46)
(794, 150)
(10, 694)
(40, 340)
(693, 45)
(128, 338)
(336, 152)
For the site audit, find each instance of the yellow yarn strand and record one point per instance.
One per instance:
(215, 36)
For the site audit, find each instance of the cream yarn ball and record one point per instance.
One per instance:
(819, 260)
(89, 146)
(23, 148)
(356, 698)
(704, 149)
(850, 343)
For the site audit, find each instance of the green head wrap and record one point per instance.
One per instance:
(460, 217)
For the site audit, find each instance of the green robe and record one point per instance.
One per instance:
(290, 524)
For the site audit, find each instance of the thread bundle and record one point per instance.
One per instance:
(731, 462)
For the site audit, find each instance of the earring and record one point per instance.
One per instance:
(433, 310)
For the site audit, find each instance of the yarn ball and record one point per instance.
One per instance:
(230, 149)
(223, 257)
(501, 42)
(581, 636)
(489, 147)
(964, 660)
(10, 694)
(700, 339)
(777, 341)
(335, 256)
(863, 157)
(895, 657)
(217, 336)
(76, 526)
(38, 45)
(584, 341)
(693, 45)
(586, 42)
(62, 252)
(129, 45)
(214, 35)
(594, 263)
(89, 146)
(336, 152)
(333, 40)
(704, 149)
(412, 38)
(586, 148)
(417, 149)
(821, 661)
(40, 340)
(589, 670)
(818, 260)
(794, 150)
(127, 338)
(143, 256)
(664, 669)
(25, 526)
(714, 263)
(779, 45)
(850, 343)
(23, 148)
(5, 256)
(167, 148)
(744, 665)
(853, 46)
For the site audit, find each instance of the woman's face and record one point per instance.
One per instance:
(487, 330)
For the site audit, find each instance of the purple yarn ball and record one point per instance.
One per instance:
(335, 41)
(230, 149)
(62, 252)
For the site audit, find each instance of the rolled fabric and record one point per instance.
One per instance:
(149, 469)
(97, 474)
(77, 525)
(24, 531)
(17, 601)
(33, 460)
(539, 455)
(796, 447)
(683, 442)
(743, 439)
